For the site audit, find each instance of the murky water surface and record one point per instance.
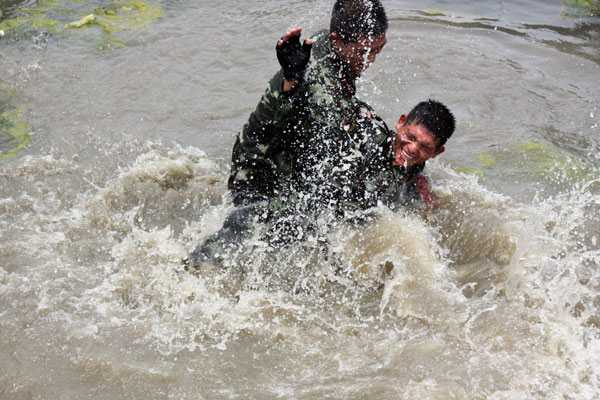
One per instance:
(116, 139)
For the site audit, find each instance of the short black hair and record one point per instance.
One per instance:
(352, 19)
(435, 117)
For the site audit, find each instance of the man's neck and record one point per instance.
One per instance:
(344, 69)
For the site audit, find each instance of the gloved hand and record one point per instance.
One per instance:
(293, 57)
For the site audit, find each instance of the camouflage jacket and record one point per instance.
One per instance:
(314, 147)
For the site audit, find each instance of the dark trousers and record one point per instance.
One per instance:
(238, 226)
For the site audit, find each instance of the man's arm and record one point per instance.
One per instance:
(254, 170)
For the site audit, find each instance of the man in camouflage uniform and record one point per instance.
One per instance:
(392, 163)
(311, 146)
(275, 148)
(271, 156)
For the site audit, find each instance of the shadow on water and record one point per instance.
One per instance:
(572, 35)
(585, 40)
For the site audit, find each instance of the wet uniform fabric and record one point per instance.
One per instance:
(288, 133)
(315, 150)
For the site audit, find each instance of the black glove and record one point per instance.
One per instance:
(293, 57)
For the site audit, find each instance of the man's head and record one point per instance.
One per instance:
(358, 32)
(422, 134)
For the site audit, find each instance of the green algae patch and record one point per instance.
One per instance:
(14, 131)
(31, 21)
(44, 23)
(535, 162)
(434, 13)
(129, 14)
(121, 15)
(110, 43)
(88, 19)
(544, 159)
(47, 3)
(541, 158)
(26, 26)
(485, 158)
(580, 9)
(79, 16)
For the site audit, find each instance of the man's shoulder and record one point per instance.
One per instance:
(320, 36)
(375, 128)
(321, 47)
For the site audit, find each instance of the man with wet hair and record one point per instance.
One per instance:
(354, 19)
(392, 166)
(281, 151)
(276, 147)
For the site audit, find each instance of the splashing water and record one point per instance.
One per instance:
(495, 295)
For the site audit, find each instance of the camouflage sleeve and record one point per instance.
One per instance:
(254, 171)
(376, 171)
(264, 153)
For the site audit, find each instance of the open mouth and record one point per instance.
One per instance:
(403, 159)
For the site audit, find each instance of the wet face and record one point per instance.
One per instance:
(358, 55)
(413, 144)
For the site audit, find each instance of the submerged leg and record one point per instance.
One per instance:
(229, 238)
